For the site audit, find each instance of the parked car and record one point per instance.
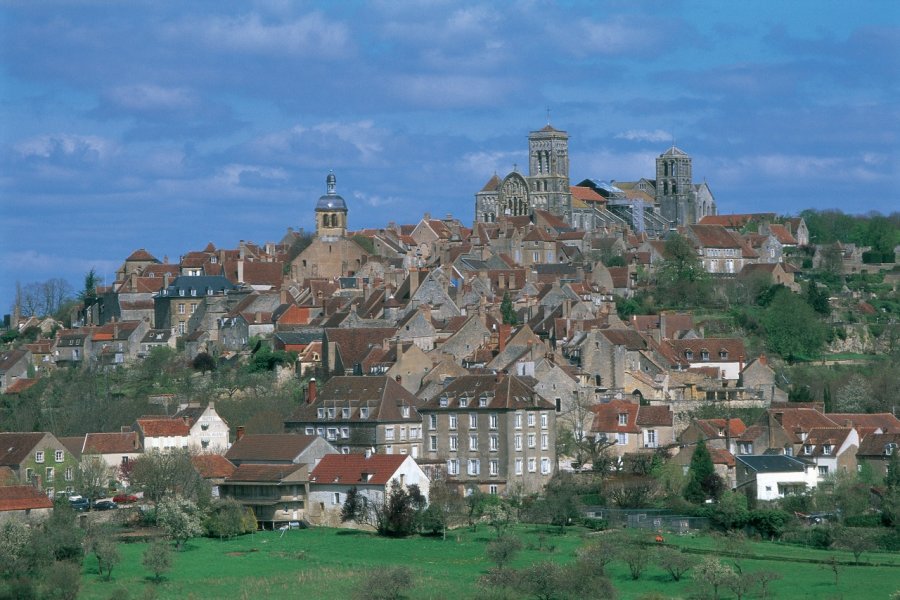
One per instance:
(105, 505)
(125, 499)
(79, 503)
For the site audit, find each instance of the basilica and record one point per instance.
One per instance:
(652, 205)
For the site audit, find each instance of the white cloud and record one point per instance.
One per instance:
(643, 135)
(374, 200)
(799, 168)
(234, 175)
(323, 139)
(492, 162)
(310, 35)
(451, 91)
(621, 166)
(40, 264)
(147, 96)
(66, 144)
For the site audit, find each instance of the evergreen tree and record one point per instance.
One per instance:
(508, 311)
(703, 482)
(892, 479)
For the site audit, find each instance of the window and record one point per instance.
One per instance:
(181, 327)
(452, 421)
(623, 419)
(473, 421)
(345, 449)
(181, 308)
(29, 475)
(473, 442)
(518, 441)
(545, 441)
(545, 420)
(453, 466)
(532, 465)
(310, 431)
(388, 449)
(345, 413)
(49, 474)
(493, 490)
(193, 308)
(482, 402)
(493, 421)
(38, 457)
(404, 412)
(531, 419)
(689, 355)
(463, 402)
(432, 443)
(58, 456)
(432, 422)
(388, 433)
(474, 466)
(336, 498)
(494, 443)
(518, 420)
(823, 470)
(494, 467)
(443, 402)
(723, 354)
(330, 413)
(531, 440)
(650, 438)
(545, 466)
(621, 439)
(403, 434)
(454, 440)
(70, 474)
(518, 466)
(345, 432)
(827, 449)
(364, 412)
(704, 355)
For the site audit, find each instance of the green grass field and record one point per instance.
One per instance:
(328, 563)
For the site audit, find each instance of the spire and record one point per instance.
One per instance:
(330, 183)
(548, 115)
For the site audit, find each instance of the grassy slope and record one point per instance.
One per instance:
(326, 563)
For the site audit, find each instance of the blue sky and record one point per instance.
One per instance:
(167, 125)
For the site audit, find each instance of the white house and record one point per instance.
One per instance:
(833, 449)
(774, 476)
(371, 475)
(115, 449)
(192, 427)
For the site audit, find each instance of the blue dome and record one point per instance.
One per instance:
(331, 200)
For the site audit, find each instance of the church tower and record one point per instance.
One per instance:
(548, 170)
(674, 187)
(331, 212)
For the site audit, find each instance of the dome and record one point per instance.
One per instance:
(331, 200)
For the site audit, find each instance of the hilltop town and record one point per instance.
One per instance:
(602, 327)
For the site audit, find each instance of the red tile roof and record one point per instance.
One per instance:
(715, 236)
(124, 442)
(355, 469)
(267, 473)
(269, 448)
(141, 255)
(887, 422)
(23, 497)
(712, 427)
(164, 427)
(20, 385)
(212, 466)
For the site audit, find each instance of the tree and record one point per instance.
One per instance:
(730, 512)
(503, 549)
(713, 574)
(681, 278)
(854, 395)
(892, 477)
(105, 549)
(60, 581)
(793, 329)
(385, 584)
(856, 540)
(765, 578)
(703, 483)
(158, 559)
(159, 474)
(560, 503)
(446, 508)
(204, 362)
(500, 516)
(180, 518)
(398, 515)
(508, 311)
(817, 298)
(636, 556)
(90, 285)
(228, 518)
(675, 562)
(600, 552)
(92, 477)
(549, 580)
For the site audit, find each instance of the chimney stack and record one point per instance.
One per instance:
(503, 336)
(311, 391)
(239, 433)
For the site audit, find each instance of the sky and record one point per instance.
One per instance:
(169, 125)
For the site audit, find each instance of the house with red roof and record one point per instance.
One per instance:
(19, 502)
(371, 476)
(194, 426)
(631, 427)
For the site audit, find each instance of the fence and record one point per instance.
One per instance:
(649, 519)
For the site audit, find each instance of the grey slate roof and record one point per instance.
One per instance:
(772, 464)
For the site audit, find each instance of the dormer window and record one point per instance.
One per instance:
(689, 354)
(807, 449)
(463, 402)
(345, 413)
(193, 292)
(320, 413)
(443, 401)
(623, 419)
(364, 412)
(404, 412)
(482, 402)
(704, 355)
(721, 433)
(213, 259)
(181, 292)
(330, 413)
(723, 354)
(827, 449)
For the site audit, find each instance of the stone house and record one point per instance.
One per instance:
(417, 327)
(716, 433)
(278, 449)
(344, 349)
(371, 476)
(156, 338)
(721, 251)
(277, 494)
(39, 459)
(493, 433)
(726, 355)
(193, 427)
(23, 502)
(178, 306)
(116, 450)
(609, 353)
(117, 343)
(784, 428)
(71, 347)
(633, 428)
(371, 414)
(214, 469)
(875, 450)
(832, 449)
(14, 365)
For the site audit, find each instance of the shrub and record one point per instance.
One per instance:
(385, 584)
(863, 521)
(595, 524)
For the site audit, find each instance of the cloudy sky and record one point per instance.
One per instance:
(167, 125)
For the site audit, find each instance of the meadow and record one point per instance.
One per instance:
(330, 563)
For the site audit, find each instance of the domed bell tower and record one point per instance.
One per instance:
(331, 212)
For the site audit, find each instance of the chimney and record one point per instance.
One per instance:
(567, 308)
(283, 296)
(240, 268)
(258, 317)
(311, 391)
(165, 280)
(187, 420)
(762, 359)
(133, 281)
(414, 282)
(241, 250)
(504, 332)
(386, 344)
(115, 330)
(239, 434)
